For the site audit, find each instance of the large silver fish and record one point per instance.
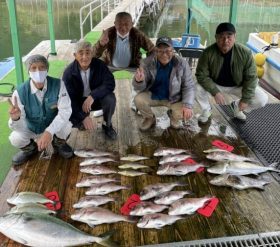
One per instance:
(144, 208)
(30, 207)
(88, 181)
(177, 168)
(239, 168)
(224, 156)
(106, 188)
(238, 182)
(95, 216)
(133, 158)
(93, 201)
(96, 161)
(40, 230)
(164, 151)
(154, 190)
(97, 170)
(174, 158)
(169, 197)
(157, 220)
(187, 205)
(90, 153)
(27, 197)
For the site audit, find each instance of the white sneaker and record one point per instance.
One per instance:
(204, 117)
(98, 113)
(237, 114)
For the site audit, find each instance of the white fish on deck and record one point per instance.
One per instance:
(169, 197)
(131, 173)
(88, 181)
(93, 201)
(28, 197)
(96, 161)
(40, 230)
(90, 153)
(106, 188)
(133, 158)
(157, 220)
(224, 156)
(187, 205)
(134, 166)
(30, 207)
(95, 216)
(144, 208)
(154, 190)
(239, 168)
(174, 158)
(97, 170)
(238, 182)
(177, 168)
(164, 151)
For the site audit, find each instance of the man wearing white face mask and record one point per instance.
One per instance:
(40, 110)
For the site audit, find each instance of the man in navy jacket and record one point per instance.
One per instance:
(90, 85)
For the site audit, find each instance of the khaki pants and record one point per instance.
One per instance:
(144, 102)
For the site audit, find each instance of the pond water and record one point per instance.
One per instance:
(254, 15)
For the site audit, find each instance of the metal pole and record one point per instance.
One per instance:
(51, 27)
(15, 41)
(233, 11)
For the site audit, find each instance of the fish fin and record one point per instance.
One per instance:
(274, 165)
(105, 239)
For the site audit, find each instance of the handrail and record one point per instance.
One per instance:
(91, 8)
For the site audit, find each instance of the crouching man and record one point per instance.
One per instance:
(40, 110)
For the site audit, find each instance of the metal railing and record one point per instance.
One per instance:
(135, 8)
(97, 5)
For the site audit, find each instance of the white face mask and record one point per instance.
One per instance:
(38, 76)
(123, 36)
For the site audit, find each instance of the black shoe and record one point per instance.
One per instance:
(25, 154)
(109, 132)
(62, 148)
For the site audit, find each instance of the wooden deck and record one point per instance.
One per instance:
(238, 213)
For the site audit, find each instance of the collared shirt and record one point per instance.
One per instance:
(160, 89)
(63, 106)
(122, 55)
(85, 77)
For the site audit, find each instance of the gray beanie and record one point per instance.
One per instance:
(35, 59)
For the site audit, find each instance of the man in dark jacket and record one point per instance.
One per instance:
(90, 85)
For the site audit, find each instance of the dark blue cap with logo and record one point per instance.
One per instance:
(164, 40)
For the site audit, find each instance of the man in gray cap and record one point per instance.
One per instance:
(164, 79)
(227, 67)
(40, 110)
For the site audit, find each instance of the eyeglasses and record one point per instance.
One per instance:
(164, 51)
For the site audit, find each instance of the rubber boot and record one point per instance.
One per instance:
(62, 148)
(25, 153)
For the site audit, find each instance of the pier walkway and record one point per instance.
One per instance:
(135, 8)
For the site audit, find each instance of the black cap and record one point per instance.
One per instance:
(164, 40)
(225, 27)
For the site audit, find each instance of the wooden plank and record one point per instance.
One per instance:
(239, 212)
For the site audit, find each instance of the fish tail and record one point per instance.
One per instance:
(131, 219)
(105, 239)
(274, 166)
